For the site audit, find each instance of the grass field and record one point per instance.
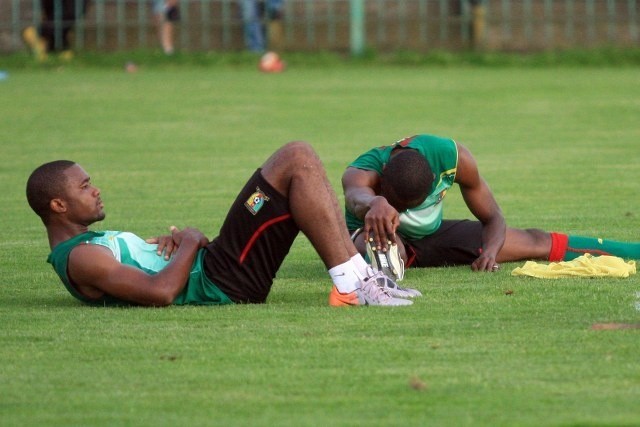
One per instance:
(560, 147)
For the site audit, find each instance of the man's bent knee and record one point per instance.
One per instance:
(288, 161)
(299, 153)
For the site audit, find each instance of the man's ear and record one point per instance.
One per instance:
(58, 205)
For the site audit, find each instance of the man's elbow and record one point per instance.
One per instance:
(161, 298)
(166, 299)
(162, 303)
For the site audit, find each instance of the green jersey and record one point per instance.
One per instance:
(442, 155)
(131, 250)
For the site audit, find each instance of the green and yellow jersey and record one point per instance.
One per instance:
(442, 155)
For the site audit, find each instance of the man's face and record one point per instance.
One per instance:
(84, 205)
(398, 203)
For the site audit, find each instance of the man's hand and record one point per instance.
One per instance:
(380, 223)
(168, 244)
(381, 220)
(485, 262)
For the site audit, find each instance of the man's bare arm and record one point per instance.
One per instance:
(361, 190)
(95, 272)
(482, 204)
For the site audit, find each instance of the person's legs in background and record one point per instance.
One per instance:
(166, 14)
(253, 28)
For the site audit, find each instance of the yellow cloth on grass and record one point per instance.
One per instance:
(586, 265)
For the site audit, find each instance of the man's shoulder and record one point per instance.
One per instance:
(88, 244)
(90, 248)
(90, 257)
(372, 159)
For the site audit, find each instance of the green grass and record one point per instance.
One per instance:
(172, 145)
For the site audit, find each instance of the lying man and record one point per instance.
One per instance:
(114, 268)
(394, 195)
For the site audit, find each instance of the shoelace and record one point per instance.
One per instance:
(387, 282)
(372, 281)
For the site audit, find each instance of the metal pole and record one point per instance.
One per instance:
(444, 21)
(57, 25)
(591, 20)
(357, 27)
(549, 20)
(121, 22)
(15, 19)
(205, 20)
(310, 22)
(569, 28)
(633, 23)
(100, 22)
(611, 21)
(423, 20)
(381, 26)
(506, 20)
(142, 24)
(331, 18)
(226, 24)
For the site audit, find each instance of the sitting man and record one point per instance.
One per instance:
(113, 267)
(394, 195)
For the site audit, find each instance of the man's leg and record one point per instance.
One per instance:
(275, 29)
(525, 244)
(71, 11)
(540, 245)
(253, 37)
(298, 174)
(295, 171)
(459, 242)
(45, 30)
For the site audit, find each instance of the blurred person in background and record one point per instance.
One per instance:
(58, 18)
(167, 14)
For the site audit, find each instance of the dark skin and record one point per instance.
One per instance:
(365, 196)
(294, 170)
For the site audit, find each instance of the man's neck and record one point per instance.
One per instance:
(60, 233)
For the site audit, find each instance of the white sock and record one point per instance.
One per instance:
(361, 265)
(345, 276)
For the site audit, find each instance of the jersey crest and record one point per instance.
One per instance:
(256, 201)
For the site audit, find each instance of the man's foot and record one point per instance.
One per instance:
(389, 286)
(66, 55)
(36, 43)
(389, 262)
(368, 294)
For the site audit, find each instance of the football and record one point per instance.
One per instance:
(270, 62)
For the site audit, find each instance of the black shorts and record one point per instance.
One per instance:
(254, 240)
(172, 14)
(456, 242)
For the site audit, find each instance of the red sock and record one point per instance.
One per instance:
(559, 243)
